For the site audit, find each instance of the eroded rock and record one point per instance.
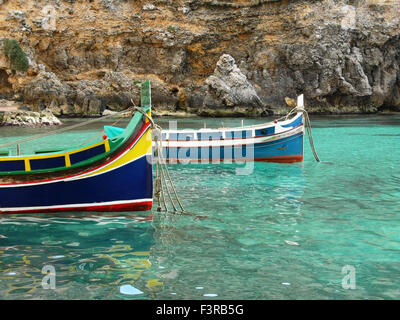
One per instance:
(28, 118)
(228, 87)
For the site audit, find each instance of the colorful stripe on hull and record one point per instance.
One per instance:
(140, 205)
(282, 159)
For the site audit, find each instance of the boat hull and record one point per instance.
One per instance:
(123, 189)
(123, 183)
(285, 150)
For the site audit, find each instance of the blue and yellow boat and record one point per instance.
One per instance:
(114, 174)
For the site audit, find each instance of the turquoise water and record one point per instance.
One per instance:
(285, 231)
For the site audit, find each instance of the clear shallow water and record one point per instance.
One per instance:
(285, 231)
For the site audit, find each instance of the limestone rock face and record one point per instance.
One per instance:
(230, 87)
(44, 89)
(110, 90)
(88, 56)
(350, 63)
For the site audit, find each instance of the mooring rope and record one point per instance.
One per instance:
(163, 177)
(157, 188)
(173, 188)
(307, 124)
(310, 136)
(161, 191)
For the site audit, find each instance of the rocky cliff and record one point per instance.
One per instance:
(89, 55)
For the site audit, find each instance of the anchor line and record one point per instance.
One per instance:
(163, 183)
(307, 124)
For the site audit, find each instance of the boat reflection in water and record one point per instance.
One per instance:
(93, 256)
(220, 245)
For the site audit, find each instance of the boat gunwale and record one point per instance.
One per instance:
(237, 129)
(264, 125)
(54, 154)
(275, 135)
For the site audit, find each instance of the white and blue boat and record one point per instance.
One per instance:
(276, 141)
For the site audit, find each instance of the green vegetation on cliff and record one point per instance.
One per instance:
(17, 57)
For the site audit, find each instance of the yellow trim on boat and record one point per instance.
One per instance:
(106, 144)
(146, 119)
(27, 165)
(67, 160)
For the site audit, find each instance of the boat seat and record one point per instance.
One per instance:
(4, 153)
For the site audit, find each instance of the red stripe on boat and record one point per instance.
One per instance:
(281, 159)
(139, 206)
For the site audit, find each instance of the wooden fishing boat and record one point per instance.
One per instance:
(114, 174)
(277, 141)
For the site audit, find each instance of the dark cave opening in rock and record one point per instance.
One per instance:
(4, 84)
